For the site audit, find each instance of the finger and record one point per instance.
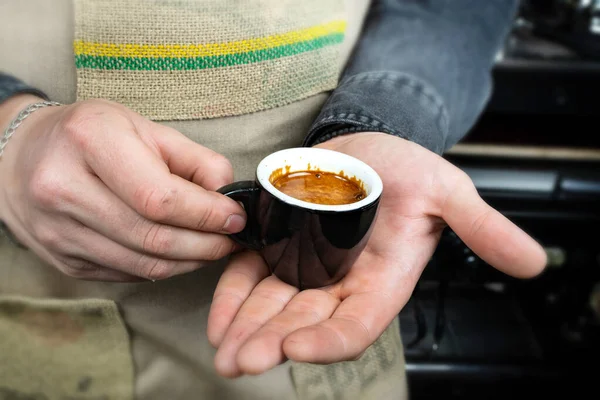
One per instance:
(266, 300)
(355, 325)
(101, 210)
(89, 271)
(142, 179)
(244, 271)
(264, 349)
(77, 268)
(491, 235)
(190, 160)
(100, 250)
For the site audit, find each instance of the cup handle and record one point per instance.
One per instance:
(247, 193)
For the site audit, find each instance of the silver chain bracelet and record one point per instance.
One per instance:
(12, 127)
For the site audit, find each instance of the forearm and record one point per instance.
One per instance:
(11, 107)
(420, 71)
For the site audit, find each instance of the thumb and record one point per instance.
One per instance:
(490, 235)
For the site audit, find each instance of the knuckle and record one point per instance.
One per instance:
(222, 165)
(271, 296)
(47, 237)
(158, 240)
(206, 217)
(357, 356)
(79, 122)
(456, 187)
(47, 190)
(464, 181)
(156, 204)
(219, 250)
(228, 297)
(79, 269)
(83, 120)
(155, 269)
(479, 222)
(308, 311)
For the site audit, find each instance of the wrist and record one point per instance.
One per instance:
(11, 107)
(9, 110)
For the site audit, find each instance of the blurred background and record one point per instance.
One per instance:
(470, 332)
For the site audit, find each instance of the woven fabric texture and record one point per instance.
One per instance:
(189, 59)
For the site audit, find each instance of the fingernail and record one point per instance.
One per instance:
(234, 224)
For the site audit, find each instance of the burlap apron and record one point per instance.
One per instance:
(61, 338)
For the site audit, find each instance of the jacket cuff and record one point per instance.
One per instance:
(11, 86)
(390, 102)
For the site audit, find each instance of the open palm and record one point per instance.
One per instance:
(257, 321)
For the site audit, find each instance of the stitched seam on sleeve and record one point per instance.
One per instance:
(347, 131)
(400, 79)
(421, 89)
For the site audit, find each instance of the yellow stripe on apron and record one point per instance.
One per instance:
(183, 59)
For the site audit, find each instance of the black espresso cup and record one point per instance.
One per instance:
(306, 245)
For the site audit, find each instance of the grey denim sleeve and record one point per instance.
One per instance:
(421, 70)
(10, 86)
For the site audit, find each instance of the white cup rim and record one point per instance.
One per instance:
(326, 160)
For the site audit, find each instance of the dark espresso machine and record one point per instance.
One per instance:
(471, 332)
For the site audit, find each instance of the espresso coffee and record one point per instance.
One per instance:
(320, 187)
(310, 226)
